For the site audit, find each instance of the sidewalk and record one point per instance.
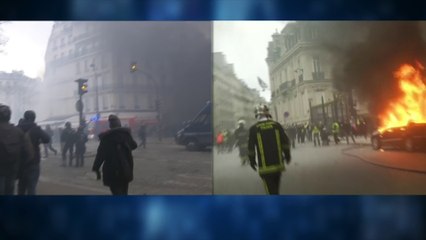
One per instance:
(394, 159)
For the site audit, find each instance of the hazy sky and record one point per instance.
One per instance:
(244, 44)
(26, 46)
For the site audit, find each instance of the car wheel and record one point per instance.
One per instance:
(192, 145)
(376, 143)
(409, 145)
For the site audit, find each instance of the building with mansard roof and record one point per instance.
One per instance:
(172, 59)
(233, 100)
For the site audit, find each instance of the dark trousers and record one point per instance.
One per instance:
(70, 148)
(79, 158)
(271, 182)
(120, 188)
(7, 185)
(336, 138)
(317, 139)
(28, 180)
(143, 141)
(47, 147)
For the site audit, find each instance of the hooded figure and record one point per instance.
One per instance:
(114, 153)
(30, 168)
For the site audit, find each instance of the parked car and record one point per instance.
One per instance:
(410, 137)
(197, 133)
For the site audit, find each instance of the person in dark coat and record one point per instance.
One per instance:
(80, 146)
(67, 141)
(115, 156)
(30, 169)
(14, 146)
(48, 146)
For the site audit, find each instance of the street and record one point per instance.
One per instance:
(160, 169)
(341, 169)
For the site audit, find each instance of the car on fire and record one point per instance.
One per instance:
(410, 137)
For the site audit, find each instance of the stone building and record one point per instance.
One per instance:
(18, 92)
(300, 71)
(171, 59)
(233, 99)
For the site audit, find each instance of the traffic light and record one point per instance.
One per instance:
(133, 67)
(82, 89)
(82, 86)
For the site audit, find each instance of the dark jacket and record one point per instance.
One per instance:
(37, 136)
(18, 147)
(80, 141)
(108, 155)
(271, 142)
(68, 136)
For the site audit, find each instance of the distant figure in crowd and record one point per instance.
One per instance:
(219, 142)
(80, 146)
(29, 171)
(316, 135)
(114, 154)
(142, 135)
(67, 141)
(15, 147)
(48, 146)
(325, 140)
(348, 132)
(241, 140)
(272, 145)
(335, 129)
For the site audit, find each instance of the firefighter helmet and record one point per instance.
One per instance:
(241, 122)
(261, 109)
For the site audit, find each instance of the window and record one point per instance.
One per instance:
(86, 67)
(78, 70)
(316, 62)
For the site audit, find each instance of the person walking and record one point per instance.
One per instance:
(67, 141)
(114, 154)
(15, 147)
(316, 135)
(80, 146)
(269, 140)
(30, 168)
(241, 141)
(48, 146)
(142, 135)
(335, 129)
(347, 129)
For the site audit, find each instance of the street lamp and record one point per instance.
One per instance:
(133, 69)
(93, 66)
(82, 89)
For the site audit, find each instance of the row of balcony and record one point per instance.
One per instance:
(316, 76)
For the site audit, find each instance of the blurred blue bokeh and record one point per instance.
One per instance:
(215, 217)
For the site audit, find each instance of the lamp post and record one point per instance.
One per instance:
(93, 66)
(133, 70)
(82, 89)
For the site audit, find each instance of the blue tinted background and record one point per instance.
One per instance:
(211, 9)
(215, 217)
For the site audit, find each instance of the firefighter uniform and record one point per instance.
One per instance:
(270, 141)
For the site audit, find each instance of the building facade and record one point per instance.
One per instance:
(103, 53)
(18, 92)
(301, 81)
(233, 100)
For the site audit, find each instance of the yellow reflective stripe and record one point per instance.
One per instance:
(271, 169)
(277, 136)
(262, 154)
(266, 186)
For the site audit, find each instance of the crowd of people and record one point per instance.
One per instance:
(20, 155)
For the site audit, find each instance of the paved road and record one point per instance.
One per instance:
(160, 169)
(341, 169)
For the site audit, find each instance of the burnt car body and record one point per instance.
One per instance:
(411, 137)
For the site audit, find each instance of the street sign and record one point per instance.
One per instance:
(79, 106)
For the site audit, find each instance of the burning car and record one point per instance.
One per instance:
(410, 137)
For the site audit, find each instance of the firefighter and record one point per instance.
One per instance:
(271, 142)
(241, 140)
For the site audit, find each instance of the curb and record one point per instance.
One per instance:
(344, 151)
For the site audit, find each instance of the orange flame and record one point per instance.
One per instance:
(411, 105)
